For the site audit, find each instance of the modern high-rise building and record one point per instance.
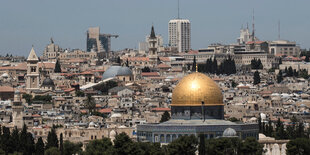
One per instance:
(98, 42)
(180, 34)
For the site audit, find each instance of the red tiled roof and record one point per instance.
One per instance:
(86, 73)
(162, 65)
(69, 90)
(138, 59)
(106, 110)
(149, 74)
(165, 59)
(36, 115)
(160, 109)
(49, 65)
(6, 89)
(192, 52)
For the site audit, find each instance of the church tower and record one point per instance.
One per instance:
(18, 110)
(152, 42)
(32, 71)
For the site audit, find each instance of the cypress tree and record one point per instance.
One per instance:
(39, 147)
(57, 67)
(52, 140)
(256, 78)
(23, 139)
(194, 64)
(61, 145)
(202, 145)
(15, 139)
(279, 77)
(290, 72)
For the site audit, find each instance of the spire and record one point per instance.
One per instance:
(32, 55)
(152, 33)
(253, 28)
(52, 41)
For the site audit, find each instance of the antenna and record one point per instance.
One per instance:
(178, 9)
(279, 32)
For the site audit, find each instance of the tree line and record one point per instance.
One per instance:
(228, 66)
(22, 142)
(289, 72)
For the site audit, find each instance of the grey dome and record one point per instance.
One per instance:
(116, 71)
(229, 132)
(48, 82)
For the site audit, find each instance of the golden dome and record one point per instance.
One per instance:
(195, 88)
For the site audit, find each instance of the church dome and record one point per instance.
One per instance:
(229, 132)
(116, 71)
(48, 82)
(195, 88)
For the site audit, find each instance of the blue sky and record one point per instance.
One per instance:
(24, 23)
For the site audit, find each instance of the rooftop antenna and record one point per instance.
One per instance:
(253, 26)
(279, 32)
(178, 9)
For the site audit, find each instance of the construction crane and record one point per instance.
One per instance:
(108, 37)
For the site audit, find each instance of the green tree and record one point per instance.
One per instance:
(165, 117)
(307, 58)
(202, 144)
(194, 64)
(52, 151)
(279, 77)
(61, 144)
(233, 119)
(57, 67)
(27, 97)
(146, 69)
(280, 61)
(15, 139)
(103, 146)
(79, 93)
(52, 140)
(72, 148)
(30, 147)
(127, 63)
(251, 147)
(90, 103)
(6, 141)
(104, 87)
(223, 146)
(39, 147)
(123, 145)
(290, 72)
(183, 145)
(256, 78)
(299, 146)
(23, 139)
(233, 84)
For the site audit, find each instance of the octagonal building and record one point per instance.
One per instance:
(197, 108)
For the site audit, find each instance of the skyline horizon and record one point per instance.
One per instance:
(203, 32)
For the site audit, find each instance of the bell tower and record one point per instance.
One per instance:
(32, 71)
(152, 42)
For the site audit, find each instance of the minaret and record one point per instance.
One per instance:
(18, 110)
(153, 47)
(32, 71)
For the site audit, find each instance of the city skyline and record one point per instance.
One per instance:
(33, 23)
